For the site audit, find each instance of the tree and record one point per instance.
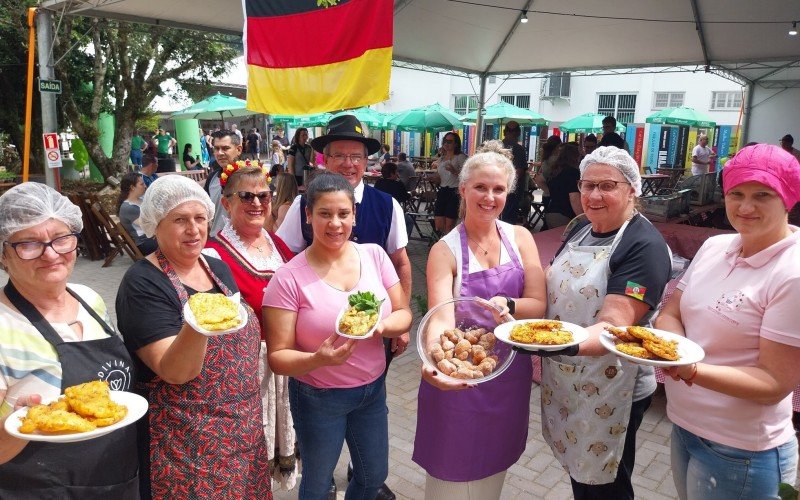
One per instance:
(13, 73)
(119, 68)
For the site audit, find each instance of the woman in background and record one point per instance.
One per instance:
(285, 193)
(131, 190)
(300, 157)
(562, 187)
(448, 166)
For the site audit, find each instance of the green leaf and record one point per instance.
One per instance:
(787, 492)
(365, 301)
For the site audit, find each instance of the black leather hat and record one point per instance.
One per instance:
(345, 128)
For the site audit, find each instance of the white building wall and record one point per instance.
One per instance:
(775, 113)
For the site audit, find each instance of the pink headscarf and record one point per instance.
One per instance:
(768, 165)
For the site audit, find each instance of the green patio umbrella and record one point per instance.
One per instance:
(217, 106)
(586, 123)
(431, 118)
(367, 116)
(315, 120)
(681, 116)
(504, 112)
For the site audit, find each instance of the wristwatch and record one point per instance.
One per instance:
(512, 306)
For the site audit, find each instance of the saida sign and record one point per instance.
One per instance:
(53, 86)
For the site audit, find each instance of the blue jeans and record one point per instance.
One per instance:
(706, 470)
(136, 159)
(324, 419)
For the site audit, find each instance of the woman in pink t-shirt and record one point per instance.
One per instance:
(336, 390)
(733, 435)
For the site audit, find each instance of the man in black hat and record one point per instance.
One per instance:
(787, 143)
(379, 218)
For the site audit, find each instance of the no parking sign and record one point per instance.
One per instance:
(51, 150)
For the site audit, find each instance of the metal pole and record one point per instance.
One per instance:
(744, 134)
(481, 106)
(44, 27)
(26, 148)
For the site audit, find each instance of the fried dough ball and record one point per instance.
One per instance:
(448, 345)
(446, 367)
(472, 336)
(436, 352)
(463, 349)
(478, 354)
(487, 341)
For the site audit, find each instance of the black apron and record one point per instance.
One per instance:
(102, 468)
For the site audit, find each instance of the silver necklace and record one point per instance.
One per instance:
(485, 252)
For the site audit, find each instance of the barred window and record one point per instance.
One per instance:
(620, 106)
(463, 104)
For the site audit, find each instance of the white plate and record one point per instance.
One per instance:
(356, 337)
(188, 315)
(137, 407)
(689, 351)
(503, 332)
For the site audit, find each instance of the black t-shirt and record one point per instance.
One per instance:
(612, 139)
(393, 188)
(560, 187)
(641, 260)
(188, 157)
(148, 308)
(252, 142)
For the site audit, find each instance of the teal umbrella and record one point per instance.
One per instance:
(587, 123)
(315, 120)
(217, 106)
(504, 112)
(681, 116)
(432, 118)
(366, 116)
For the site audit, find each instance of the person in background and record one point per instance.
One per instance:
(738, 300)
(227, 149)
(562, 188)
(254, 254)
(238, 132)
(611, 271)
(300, 157)
(131, 190)
(787, 143)
(164, 143)
(337, 386)
(284, 142)
(138, 145)
(448, 166)
(511, 135)
(203, 436)
(589, 144)
(54, 335)
(702, 156)
(390, 183)
(405, 170)
(384, 155)
(277, 159)
(189, 161)
(610, 135)
(148, 170)
(499, 262)
(285, 193)
(205, 147)
(550, 150)
(253, 144)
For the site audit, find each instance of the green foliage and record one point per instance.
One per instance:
(326, 3)
(80, 155)
(148, 122)
(365, 301)
(421, 301)
(787, 492)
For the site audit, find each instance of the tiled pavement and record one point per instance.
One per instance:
(536, 475)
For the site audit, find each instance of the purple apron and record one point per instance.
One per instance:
(475, 433)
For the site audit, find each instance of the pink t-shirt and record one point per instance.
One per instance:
(729, 303)
(297, 287)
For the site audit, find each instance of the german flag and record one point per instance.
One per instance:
(306, 58)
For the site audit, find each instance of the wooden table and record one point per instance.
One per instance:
(652, 183)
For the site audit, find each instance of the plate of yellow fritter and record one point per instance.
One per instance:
(541, 334)
(84, 411)
(359, 318)
(213, 314)
(650, 346)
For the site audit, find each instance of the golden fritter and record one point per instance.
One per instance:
(53, 418)
(621, 333)
(664, 349)
(214, 311)
(92, 400)
(634, 349)
(540, 332)
(643, 333)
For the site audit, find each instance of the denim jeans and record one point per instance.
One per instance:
(324, 419)
(706, 470)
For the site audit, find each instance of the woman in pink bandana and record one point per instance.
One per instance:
(733, 435)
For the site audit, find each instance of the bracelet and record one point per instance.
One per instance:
(692, 377)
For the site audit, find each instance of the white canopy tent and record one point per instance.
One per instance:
(742, 40)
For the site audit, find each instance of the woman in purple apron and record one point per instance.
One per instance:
(487, 258)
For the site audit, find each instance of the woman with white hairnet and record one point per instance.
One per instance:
(55, 335)
(203, 436)
(610, 271)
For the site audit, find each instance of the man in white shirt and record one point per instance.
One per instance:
(702, 156)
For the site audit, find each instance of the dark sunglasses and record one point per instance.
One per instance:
(248, 197)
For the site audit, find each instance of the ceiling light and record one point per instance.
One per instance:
(524, 18)
(792, 32)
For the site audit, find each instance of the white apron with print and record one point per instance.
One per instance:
(586, 401)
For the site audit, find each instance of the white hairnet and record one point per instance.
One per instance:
(619, 159)
(31, 203)
(166, 193)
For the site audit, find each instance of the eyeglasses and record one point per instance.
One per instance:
(586, 187)
(339, 158)
(248, 197)
(29, 250)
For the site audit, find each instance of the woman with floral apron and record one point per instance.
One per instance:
(611, 271)
(469, 460)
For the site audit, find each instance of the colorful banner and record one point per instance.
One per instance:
(663, 146)
(690, 144)
(723, 143)
(346, 62)
(683, 139)
(638, 145)
(652, 147)
(630, 136)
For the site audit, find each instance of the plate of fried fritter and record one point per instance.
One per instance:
(541, 334)
(84, 411)
(213, 314)
(649, 346)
